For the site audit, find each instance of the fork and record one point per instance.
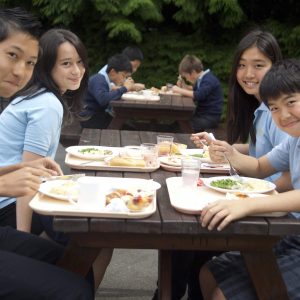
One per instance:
(232, 171)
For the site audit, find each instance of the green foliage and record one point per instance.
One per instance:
(123, 27)
(230, 13)
(61, 12)
(166, 30)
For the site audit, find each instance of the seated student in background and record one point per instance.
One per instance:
(136, 57)
(27, 262)
(226, 276)
(100, 92)
(207, 93)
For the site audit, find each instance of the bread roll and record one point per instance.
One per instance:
(127, 162)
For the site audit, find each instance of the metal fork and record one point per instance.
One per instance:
(232, 171)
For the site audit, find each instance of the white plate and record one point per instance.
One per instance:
(146, 95)
(263, 186)
(60, 189)
(99, 155)
(174, 161)
(191, 152)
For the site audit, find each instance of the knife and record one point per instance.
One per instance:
(63, 177)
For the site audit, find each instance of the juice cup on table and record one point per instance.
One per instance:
(164, 143)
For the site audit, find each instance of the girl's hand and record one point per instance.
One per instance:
(45, 164)
(220, 213)
(200, 139)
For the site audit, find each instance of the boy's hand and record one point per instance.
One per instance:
(139, 86)
(129, 84)
(220, 213)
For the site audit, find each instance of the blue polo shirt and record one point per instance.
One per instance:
(268, 135)
(29, 124)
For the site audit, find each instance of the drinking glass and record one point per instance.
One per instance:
(150, 154)
(164, 143)
(190, 171)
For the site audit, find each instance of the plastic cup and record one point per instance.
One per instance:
(164, 143)
(90, 192)
(150, 154)
(190, 172)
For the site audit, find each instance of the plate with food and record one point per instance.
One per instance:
(201, 154)
(91, 152)
(172, 160)
(134, 199)
(246, 185)
(147, 95)
(60, 189)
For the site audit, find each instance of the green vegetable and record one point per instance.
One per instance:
(95, 151)
(226, 184)
(200, 155)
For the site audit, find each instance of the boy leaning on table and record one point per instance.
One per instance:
(100, 92)
(206, 92)
(226, 277)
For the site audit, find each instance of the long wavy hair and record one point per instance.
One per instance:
(241, 106)
(72, 101)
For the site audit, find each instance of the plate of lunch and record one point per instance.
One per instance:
(202, 155)
(147, 95)
(174, 161)
(91, 152)
(60, 189)
(245, 185)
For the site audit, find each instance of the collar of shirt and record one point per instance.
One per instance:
(201, 76)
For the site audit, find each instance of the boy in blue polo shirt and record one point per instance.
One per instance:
(226, 276)
(105, 87)
(206, 92)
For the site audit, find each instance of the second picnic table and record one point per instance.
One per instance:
(169, 107)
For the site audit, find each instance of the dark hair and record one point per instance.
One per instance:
(133, 53)
(17, 19)
(49, 43)
(282, 79)
(189, 64)
(241, 106)
(120, 63)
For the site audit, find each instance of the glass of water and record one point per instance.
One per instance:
(190, 171)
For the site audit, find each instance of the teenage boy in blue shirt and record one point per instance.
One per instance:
(226, 277)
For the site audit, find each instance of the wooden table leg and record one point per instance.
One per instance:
(269, 284)
(164, 275)
(116, 123)
(78, 259)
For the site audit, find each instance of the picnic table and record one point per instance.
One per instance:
(169, 107)
(168, 229)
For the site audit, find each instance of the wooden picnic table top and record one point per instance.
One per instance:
(169, 229)
(169, 107)
(167, 101)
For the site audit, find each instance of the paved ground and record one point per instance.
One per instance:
(132, 274)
